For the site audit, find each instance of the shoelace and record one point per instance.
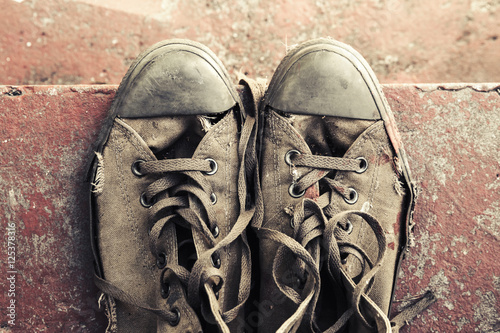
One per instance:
(338, 246)
(315, 221)
(308, 222)
(170, 204)
(183, 196)
(321, 166)
(305, 247)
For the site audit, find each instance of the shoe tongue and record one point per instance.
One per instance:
(331, 136)
(211, 130)
(172, 137)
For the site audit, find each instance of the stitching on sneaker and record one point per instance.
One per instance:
(132, 219)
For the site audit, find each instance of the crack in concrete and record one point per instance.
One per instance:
(478, 87)
(12, 91)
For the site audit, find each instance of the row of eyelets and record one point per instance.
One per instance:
(165, 292)
(353, 194)
(161, 261)
(216, 262)
(136, 170)
(215, 258)
(292, 190)
(213, 197)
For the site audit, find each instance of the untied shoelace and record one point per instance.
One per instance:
(174, 200)
(317, 226)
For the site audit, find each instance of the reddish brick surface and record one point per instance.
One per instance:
(92, 41)
(452, 138)
(44, 137)
(452, 135)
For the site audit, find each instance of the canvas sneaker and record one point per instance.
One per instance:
(337, 191)
(168, 196)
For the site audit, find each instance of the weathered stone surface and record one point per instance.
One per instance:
(452, 136)
(90, 41)
(44, 138)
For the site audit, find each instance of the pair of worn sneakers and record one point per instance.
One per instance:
(249, 209)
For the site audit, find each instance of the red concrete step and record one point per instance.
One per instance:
(452, 136)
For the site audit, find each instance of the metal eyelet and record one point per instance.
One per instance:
(213, 199)
(145, 202)
(215, 231)
(292, 223)
(301, 283)
(348, 227)
(165, 286)
(293, 193)
(136, 168)
(161, 260)
(215, 258)
(363, 165)
(213, 165)
(177, 319)
(165, 289)
(216, 288)
(288, 156)
(353, 196)
(302, 280)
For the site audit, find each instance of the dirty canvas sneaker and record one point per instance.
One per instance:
(168, 226)
(337, 191)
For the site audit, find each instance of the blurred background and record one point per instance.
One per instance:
(94, 42)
